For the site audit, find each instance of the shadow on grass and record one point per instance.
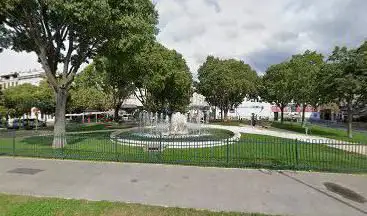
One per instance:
(71, 139)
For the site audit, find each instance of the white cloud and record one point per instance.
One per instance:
(261, 32)
(11, 61)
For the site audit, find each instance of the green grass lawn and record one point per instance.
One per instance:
(77, 127)
(251, 151)
(12, 205)
(318, 130)
(229, 122)
(70, 127)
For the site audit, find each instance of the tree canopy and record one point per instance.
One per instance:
(225, 83)
(277, 86)
(163, 80)
(71, 32)
(345, 78)
(23, 98)
(305, 79)
(86, 94)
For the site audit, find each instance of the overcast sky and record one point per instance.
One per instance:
(260, 32)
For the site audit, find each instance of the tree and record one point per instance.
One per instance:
(225, 83)
(71, 32)
(346, 79)
(162, 78)
(115, 80)
(304, 77)
(86, 93)
(277, 86)
(21, 98)
(45, 98)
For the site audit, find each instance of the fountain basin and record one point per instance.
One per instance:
(208, 138)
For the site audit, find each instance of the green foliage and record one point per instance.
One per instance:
(305, 70)
(345, 79)
(163, 79)
(87, 94)
(225, 83)
(114, 78)
(22, 98)
(45, 98)
(277, 86)
(348, 74)
(71, 32)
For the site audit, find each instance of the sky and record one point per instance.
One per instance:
(259, 32)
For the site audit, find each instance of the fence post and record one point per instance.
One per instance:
(62, 146)
(116, 155)
(297, 153)
(227, 150)
(14, 142)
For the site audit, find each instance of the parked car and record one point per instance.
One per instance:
(13, 123)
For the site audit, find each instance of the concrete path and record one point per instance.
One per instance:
(284, 193)
(276, 133)
(346, 146)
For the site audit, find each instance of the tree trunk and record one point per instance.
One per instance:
(60, 123)
(281, 114)
(221, 114)
(116, 114)
(215, 114)
(225, 114)
(303, 113)
(350, 119)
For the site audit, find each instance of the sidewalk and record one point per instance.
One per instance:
(272, 192)
(361, 149)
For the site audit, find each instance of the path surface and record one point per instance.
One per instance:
(360, 149)
(272, 192)
(277, 133)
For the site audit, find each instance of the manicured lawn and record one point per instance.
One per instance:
(78, 127)
(70, 127)
(251, 151)
(318, 130)
(229, 122)
(11, 205)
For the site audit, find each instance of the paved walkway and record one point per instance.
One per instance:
(276, 133)
(284, 193)
(360, 149)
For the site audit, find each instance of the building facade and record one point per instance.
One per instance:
(11, 79)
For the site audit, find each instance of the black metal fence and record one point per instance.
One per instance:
(249, 151)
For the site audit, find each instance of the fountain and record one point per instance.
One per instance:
(158, 131)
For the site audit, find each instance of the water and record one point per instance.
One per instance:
(158, 124)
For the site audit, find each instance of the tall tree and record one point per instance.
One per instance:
(277, 86)
(346, 77)
(304, 77)
(115, 80)
(163, 80)
(225, 83)
(71, 32)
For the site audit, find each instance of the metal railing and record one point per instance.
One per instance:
(249, 151)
